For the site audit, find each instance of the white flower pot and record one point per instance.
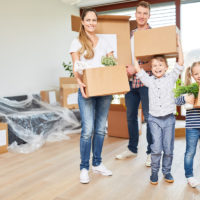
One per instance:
(188, 106)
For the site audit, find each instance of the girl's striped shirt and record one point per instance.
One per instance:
(192, 116)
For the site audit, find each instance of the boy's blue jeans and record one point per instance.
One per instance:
(94, 112)
(163, 130)
(133, 98)
(192, 137)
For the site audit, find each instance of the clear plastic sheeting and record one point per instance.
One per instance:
(32, 122)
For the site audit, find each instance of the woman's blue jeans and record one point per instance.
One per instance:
(94, 112)
(192, 137)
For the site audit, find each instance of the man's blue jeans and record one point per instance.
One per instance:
(192, 137)
(133, 98)
(163, 130)
(94, 112)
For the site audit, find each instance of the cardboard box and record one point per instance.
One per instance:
(106, 81)
(69, 92)
(117, 121)
(50, 96)
(156, 41)
(3, 137)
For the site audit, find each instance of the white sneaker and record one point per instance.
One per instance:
(84, 177)
(193, 182)
(148, 160)
(101, 169)
(125, 154)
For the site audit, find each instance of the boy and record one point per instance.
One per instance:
(161, 107)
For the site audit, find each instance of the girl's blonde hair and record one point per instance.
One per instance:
(85, 41)
(188, 73)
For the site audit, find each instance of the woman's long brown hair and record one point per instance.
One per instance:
(85, 41)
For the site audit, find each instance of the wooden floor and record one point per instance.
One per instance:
(52, 173)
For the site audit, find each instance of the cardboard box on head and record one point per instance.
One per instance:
(109, 80)
(156, 41)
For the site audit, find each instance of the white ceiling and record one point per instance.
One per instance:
(88, 3)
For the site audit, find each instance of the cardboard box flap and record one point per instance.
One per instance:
(70, 86)
(76, 21)
(67, 80)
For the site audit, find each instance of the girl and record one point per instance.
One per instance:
(89, 48)
(192, 124)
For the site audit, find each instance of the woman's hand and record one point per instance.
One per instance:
(189, 98)
(82, 87)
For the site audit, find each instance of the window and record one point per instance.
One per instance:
(163, 14)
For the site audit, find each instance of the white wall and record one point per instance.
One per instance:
(34, 40)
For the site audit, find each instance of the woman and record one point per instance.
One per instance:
(89, 48)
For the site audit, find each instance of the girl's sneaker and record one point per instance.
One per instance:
(193, 182)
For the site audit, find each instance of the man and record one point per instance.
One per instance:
(138, 92)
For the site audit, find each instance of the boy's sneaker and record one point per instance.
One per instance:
(125, 154)
(193, 182)
(101, 169)
(148, 160)
(154, 178)
(84, 177)
(169, 178)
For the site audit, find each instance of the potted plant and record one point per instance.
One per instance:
(192, 89)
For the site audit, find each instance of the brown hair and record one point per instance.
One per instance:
(143, 4)
(160, 58)
(85, 41)
(188, 73)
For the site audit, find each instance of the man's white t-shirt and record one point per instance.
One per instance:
(102, 48)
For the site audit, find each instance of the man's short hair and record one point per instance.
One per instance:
(143, 4)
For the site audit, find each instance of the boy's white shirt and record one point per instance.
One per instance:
(161, 96)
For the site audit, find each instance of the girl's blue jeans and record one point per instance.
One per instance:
(192, 137)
